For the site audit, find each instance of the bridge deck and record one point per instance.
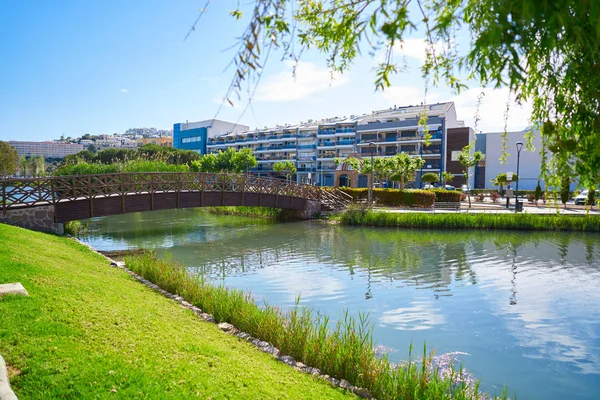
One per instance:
(85, 196)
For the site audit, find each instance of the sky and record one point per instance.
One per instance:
(104, 66)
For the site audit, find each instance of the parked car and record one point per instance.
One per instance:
(449, 187)
(465, 188)
(582, 198)
(428, 186)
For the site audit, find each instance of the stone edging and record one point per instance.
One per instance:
(232, 330)
(6, 392)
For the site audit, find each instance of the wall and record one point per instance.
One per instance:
(456, 140)
(529, 165)
(34, 218)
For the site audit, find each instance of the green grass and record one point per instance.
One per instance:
(366, 217)
(343, 349)
(91, 331)
(246, 211)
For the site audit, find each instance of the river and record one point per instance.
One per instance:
(521, 308)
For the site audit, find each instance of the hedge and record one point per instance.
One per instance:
(393, 197)
(442, 195)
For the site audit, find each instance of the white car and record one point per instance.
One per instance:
(582, 198)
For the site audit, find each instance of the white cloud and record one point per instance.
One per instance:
(415, 48)
(420, 315)
(491, 110)
(404, 95)
(124, 91)
(309, 79)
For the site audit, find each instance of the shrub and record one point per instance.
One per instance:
(531, 198)
(394, 197)
(479, 197)
(442, 195)
(494, 196)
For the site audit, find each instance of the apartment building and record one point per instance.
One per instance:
(46, 149)
(314, 145)
(195, 135)
(166, 141)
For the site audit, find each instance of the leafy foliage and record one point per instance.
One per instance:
(8, 159)
(393, 197)
(469, 159)
(226, 161)
(286, 167)
(430, 177)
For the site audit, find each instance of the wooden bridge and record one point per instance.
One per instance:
(70, 198)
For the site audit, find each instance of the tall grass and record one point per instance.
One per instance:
(365, 217)
(342, 349)
(247, 211)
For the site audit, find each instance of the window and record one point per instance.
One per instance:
(191, 139)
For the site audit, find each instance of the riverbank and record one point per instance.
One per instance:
(247, 211)
(365, 217)
(88, 330)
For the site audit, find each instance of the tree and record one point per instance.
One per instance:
(92, 148)
(430, 177)
(245, 160)
(23, 165)
(286, 167)
(8, 160)
(591, 197)
(226, 161)
(565, 186)
(404, 168)
(447, 177)
(538, 192)
(501, 180)
(469, 159)
(546, 52)
(208, 163)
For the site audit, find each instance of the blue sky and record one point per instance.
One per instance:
(75, 67)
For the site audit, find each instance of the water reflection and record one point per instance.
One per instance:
(525, 306)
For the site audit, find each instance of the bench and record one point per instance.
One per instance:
(446, 205)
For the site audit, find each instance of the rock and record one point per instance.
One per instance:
(243, 335)
(207, 317)
(313, 371)
(274, 351)
(333, 381)
(6, 392)
(289, 360)
(186, 304)
(259, 343)
(225, 327)
(344, 384)
(361, 392)
(300, 365)
(13, 288)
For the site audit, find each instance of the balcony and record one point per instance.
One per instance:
(345, 142)
(307, 146)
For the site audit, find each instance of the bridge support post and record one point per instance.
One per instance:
(35, 218)
(312, 210)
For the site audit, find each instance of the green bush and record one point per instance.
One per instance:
(394, 197)
(442, 195)
(84, 168)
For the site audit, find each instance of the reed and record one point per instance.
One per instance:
(343, 349)
(365, 217)
(247, 211)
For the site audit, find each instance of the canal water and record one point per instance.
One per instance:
(520, 309)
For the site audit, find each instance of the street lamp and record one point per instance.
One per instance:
(371, 145)
(519, 147)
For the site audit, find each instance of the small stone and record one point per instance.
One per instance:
(274, 351)
(13, 288)
(243, 335)
(289, 360)
(186, 304)
(300, 365)
(259, 343)
(334, 381)
(225, 327)
(196, 310)
(344, 384)
(207, 317)
(313, 371)
(361, 392)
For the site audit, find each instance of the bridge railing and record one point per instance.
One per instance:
(31, 192)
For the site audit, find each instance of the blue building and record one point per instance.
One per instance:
(195, 135)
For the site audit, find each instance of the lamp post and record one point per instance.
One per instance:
(371, 146)
(519, 147)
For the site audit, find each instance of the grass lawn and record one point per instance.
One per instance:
(89, 330)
